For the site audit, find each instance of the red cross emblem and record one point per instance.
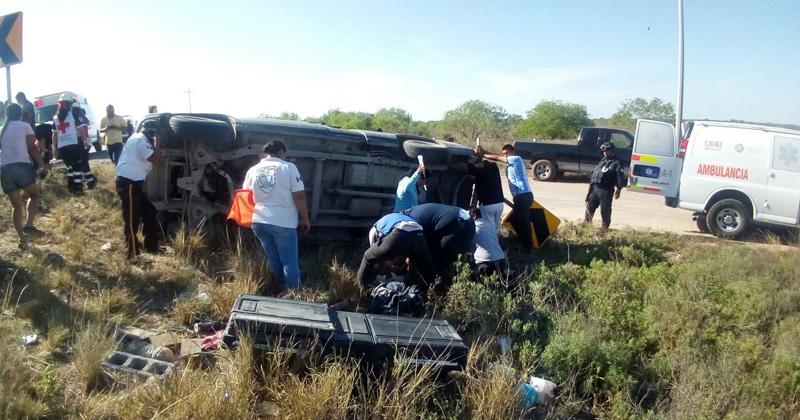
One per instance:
(62, 126)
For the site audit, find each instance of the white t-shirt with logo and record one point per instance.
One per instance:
(66, 130)
(13, 144)
(133, 163)
(273, 181)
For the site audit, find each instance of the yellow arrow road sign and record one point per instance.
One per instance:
(11, 39)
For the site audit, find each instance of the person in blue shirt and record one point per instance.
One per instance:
(408, 189)
(520, 189)
(397, 235)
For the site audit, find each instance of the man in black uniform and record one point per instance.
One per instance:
(607, 176)
(449, 231)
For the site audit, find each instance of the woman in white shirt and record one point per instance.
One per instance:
(17, 174)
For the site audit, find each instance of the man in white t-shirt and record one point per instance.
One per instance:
(135, 162)
(279, 196)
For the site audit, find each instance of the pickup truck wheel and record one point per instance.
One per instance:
(728, 218)
(432, 153)
(544, 170)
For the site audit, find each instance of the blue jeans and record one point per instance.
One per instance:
(280, 245)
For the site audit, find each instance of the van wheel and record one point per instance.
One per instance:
(728, 218)
(433, 153)
(544, 170)
(700, 221)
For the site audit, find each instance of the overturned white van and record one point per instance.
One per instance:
(730, 174)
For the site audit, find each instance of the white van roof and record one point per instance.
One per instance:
(745, 126)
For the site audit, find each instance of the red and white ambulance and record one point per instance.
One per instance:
(731, 175)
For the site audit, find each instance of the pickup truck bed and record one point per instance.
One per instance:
(550, 158)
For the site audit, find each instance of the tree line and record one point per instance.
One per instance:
(549, 119)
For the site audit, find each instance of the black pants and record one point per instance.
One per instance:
(599, 197)
(136, 209)
(399, 243)
(452, 241)
(521, 219)
(114, 150)
(77, 163)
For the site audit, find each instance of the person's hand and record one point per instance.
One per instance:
(305, 225)
(421, 169)
(616, 194)
(478, 150)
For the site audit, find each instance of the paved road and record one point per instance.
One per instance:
(565, 198)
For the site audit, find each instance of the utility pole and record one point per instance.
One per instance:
(679, 102)
(189, 93)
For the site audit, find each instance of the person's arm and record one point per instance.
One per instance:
(33, 152)
(621, 180)
(156, 155)
(491, 156)
(302, 207)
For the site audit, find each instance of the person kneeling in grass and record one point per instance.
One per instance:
(18, 151)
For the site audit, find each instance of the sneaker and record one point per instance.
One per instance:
(22, 243)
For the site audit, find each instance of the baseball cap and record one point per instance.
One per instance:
(607, 146)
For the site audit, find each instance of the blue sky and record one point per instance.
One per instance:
(246, 58)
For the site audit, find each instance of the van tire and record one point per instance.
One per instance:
(728, 218)
(432, 153)
(701, 222)
(217, 134)
(544, 170)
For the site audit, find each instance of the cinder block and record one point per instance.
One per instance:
(138, 365)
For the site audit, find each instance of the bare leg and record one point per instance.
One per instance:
(18, 212)
(33, 203)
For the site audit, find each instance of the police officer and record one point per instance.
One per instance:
(608, 178)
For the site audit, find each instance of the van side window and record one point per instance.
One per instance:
(786, 154)
(620, 141)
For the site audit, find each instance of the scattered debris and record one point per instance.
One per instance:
(147, 350)
(191, 346)
(138, 365)
(538, 391)
(106, 247)
(505, 344)
(208, 327)
(30, 340)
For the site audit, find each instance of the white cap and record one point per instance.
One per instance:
(66, 96)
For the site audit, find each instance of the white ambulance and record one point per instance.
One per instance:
(731, 175)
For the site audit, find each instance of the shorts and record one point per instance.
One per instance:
(17, 176)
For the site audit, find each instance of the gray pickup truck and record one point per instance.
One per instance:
(549, 158)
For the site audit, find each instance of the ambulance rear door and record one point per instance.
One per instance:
(655, 165)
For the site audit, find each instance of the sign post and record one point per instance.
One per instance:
(10, 44)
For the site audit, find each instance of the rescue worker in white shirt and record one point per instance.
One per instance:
(68, 130)
(135, 162)
(279, 196)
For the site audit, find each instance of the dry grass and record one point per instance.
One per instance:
(92, 344)
(225, 392)
(489, 387)
(190, 244)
